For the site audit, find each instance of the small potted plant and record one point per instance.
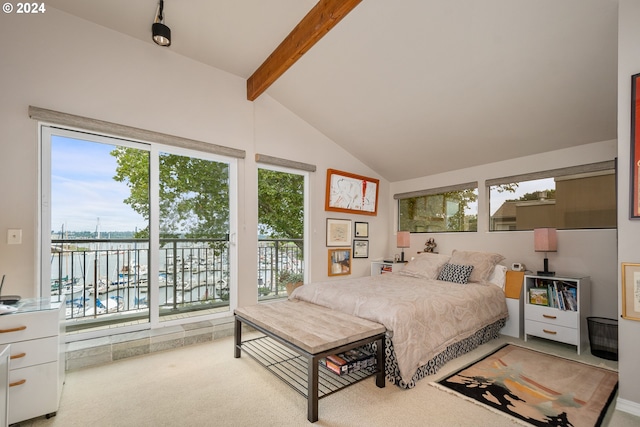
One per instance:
(291, 280)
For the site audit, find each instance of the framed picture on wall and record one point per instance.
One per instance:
(635, 147)
(339, 262)
(361, 249)
(338, 232)
(351, 193)
(361, 230)
(630, 291)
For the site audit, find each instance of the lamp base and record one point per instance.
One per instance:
(546, 273)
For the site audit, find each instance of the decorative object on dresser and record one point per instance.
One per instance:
(557, 308)
(545, 240)
(403, 241)
(430, 245)
(36, 335)
(536, 389)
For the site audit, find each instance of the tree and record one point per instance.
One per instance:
(194, 196)
(280, 204)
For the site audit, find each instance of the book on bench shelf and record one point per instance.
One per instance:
(349, 361)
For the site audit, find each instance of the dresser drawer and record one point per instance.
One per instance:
(35, 392)
(552, 332)
(33, 352)
(553, 316)
(27, 326)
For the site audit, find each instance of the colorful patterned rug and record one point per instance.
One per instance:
(535, 388)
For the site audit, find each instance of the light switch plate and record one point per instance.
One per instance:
(14, 236)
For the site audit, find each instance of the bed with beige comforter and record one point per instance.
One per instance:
(428, 321)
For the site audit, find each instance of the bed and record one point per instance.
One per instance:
(435, 309)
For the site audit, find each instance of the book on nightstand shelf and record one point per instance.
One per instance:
(349, 361)
(554, 293)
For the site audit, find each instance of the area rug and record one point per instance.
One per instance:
(535, 388)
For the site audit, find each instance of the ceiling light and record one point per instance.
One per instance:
(161, 33)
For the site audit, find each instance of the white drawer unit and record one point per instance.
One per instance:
(35, 333)
(557, 308)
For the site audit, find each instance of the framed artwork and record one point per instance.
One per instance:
(635, 147)
(339, 262)
(338, 232)
(361, 249)
(361, 229)
(351, 193)
(630, 291)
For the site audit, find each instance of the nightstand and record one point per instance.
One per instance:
(556, 308)
(514, 327)
(380, 267)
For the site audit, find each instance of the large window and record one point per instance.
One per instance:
(135, 232)
(281, 230)
(569, 198)
(450, 209)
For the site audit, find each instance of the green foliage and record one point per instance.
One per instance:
(194, 193)
(439, 212)
(288, 276)
(280, 204)
(194, 196)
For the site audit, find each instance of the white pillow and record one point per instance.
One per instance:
(499, 276)
(425, 266)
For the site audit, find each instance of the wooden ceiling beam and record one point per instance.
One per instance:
(318, 22)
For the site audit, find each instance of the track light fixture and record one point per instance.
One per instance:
(161, 33)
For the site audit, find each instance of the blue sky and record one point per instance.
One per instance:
(83, 189)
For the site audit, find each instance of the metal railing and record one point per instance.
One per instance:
(108, 279)
(103, 277)
(280, 262)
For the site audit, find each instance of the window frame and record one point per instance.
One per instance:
(45, 131)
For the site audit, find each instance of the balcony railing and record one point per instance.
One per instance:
(104, 277)
(280, 262)
(108, 280)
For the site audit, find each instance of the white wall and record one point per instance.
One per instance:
(629, 230)
(580, 252)
(59, 62)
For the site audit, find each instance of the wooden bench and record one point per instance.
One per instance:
(296, 336)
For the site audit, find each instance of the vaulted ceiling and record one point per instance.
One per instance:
(414, 87)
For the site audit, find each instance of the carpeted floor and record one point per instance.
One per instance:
(203, 385)
(536, 388)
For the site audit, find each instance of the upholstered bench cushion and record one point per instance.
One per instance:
(311, 327)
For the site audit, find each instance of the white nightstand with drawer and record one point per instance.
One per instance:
(557, 309)
(36, 335)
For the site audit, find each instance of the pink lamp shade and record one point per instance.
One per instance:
(404, 239)
(545, 240)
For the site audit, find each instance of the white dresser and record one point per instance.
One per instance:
(36, 335)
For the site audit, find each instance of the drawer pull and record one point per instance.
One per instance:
(19, 328)
(549, 332)
(17, 356)
(20, 382)
(548, 316)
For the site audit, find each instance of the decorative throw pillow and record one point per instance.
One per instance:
(455, 273)
(425, 266)
(499, 276)
(483, 263)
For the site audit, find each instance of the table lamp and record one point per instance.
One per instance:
(404, 241)
(545, 240)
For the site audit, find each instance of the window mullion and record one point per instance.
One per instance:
(154, 235)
